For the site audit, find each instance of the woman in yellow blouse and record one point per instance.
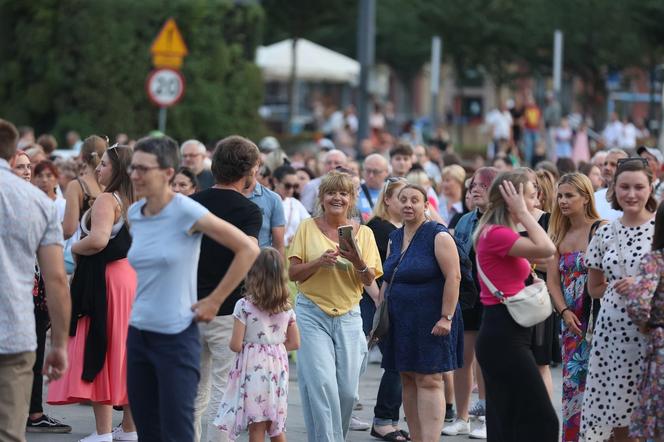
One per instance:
(330, 281)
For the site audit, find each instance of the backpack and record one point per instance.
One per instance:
(468, 293)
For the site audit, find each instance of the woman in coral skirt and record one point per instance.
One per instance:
(103, 289)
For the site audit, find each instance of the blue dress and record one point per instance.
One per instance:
(414, 305)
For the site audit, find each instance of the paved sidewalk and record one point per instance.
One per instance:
(80, 416)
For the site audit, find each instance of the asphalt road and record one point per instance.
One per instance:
(81, 419)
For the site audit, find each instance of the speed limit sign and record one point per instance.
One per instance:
(165, 87)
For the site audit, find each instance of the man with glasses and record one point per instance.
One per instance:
(375, 171)
(655, 161)
(193, 157)
(332, 159)
(602, 204)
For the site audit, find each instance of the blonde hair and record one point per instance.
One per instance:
(419, 177)
(545, 194)
(266, 285)
(335, 181)
(455, 172)
(559, 224)
(497, 212)
(390, 188)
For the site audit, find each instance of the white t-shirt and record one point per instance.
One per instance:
(501, 123)
(628, 138)
(604, 207)
(612, 134)
(295, 213)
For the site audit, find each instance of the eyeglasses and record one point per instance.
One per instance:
(635, 160)
(140, 170)
(374, 171)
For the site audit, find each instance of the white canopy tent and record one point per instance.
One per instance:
(314, 63)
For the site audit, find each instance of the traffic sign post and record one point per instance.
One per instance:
(165, 85)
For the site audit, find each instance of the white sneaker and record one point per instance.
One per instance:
(479, 432)
(94, 437)
(358, 425)
(120, 434)
(459, 426)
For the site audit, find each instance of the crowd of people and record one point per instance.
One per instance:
(177, 281)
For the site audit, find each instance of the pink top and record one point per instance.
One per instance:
(507, 273)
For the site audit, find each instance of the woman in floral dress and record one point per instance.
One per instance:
(645, 306)
(573, 221)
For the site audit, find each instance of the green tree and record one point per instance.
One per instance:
(75, 64)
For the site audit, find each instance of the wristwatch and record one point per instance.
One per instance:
(448, 317)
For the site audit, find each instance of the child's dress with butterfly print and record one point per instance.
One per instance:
(257, 386)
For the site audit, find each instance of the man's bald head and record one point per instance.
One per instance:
(375, 171)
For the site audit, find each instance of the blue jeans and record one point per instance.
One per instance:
(162, 379)
(530, 140)
(329, 363)
(388, 400)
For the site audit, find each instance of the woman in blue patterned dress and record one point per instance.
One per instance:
(426, 330)
(573, 221)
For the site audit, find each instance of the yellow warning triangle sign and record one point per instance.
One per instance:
(168, 48)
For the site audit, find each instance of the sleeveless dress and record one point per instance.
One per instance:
(616, 358)
(575, 349)
(645, 306)
(414, 304)
(110, 383)
(257, 387)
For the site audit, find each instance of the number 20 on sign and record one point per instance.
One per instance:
(165, 87)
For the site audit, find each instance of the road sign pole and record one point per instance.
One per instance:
(436, 47)
(162, 120)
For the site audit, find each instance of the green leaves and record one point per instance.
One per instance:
(74, 64)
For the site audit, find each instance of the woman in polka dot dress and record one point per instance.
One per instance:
(612, 258)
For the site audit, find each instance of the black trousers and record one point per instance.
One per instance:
(42, 323)
(518, 407)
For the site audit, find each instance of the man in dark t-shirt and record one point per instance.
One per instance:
(234, 163)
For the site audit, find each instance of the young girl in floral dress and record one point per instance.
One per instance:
(645, 306)
(256, 396)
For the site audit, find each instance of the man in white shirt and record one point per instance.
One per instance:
(602, 204)
(612, 133)
(333, 159)
(499, 121)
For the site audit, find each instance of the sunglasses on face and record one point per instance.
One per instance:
(289, 186)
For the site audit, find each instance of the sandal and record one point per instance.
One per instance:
(405, 434)
(394, 436)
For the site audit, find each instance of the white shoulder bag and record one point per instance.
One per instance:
(530, 306)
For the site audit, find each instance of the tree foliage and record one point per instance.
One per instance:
(76, 64)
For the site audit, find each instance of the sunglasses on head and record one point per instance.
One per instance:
(392, 180)
(632, 160)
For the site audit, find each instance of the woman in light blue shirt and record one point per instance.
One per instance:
(163, 349)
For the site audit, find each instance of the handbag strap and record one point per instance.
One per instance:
(402, 255)
(492, 288)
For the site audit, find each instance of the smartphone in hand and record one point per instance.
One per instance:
(346, 238)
